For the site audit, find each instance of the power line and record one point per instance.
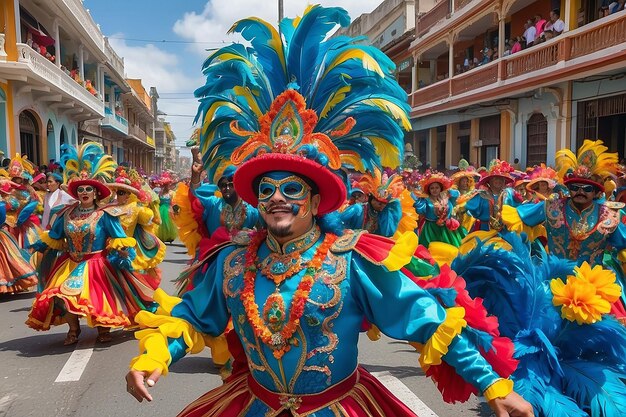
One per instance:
(168, 41)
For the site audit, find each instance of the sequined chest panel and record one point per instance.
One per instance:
(316, 335)
(579, 236)
(81, 232)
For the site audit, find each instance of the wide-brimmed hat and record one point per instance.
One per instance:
(289, 115)
(592, 165)
(88, 165)
(542, 173)
(432, 177)
(497, 168)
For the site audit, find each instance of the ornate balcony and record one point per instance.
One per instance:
(52, 84)
(593, 48)
(430, 19)
(77, 13)
(114, 121)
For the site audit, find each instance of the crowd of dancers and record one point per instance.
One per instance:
(304, 230)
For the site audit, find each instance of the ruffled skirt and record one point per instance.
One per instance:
(91, 288)
(432, 232)
(167, 229)
(16, 273)
(358, 395)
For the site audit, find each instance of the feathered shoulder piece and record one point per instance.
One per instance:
(592, 163)
(296, 91)
(89, 162)
(383, 186)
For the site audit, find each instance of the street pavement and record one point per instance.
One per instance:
(41, 377)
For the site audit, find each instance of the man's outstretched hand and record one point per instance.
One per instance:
(513, 405)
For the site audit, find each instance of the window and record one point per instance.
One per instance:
(536, 140)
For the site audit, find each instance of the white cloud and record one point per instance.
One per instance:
(219, 15)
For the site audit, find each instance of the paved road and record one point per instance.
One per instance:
(41, 377)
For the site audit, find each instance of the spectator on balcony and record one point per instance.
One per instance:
(530, 33)
(616, 6)
(555, 24)
(495, 54)
(603, 11)
(517, 45)
(540, 24)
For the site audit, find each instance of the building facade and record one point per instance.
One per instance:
(472, 98)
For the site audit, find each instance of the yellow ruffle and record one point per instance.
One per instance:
(122, 242)
(142, 263)
(153, 340)
(165, 301)
(185, 221)
(437, 346)
(513, 221)
(499, 389)
(58, 244)
(219, 349)
(443, 253)
(402, 252)
(408, 221)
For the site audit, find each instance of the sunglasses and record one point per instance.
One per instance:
(85, 189)
(587, 188)
(121, 192)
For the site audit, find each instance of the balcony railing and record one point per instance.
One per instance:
(114, 121)
(430, 19)
(77, 9)
(138, 133)
(53, 75)
(486, 75)
(532, 62)
(114, 59)
(459, 4)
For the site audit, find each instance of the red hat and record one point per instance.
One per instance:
(88, 165)
(498, 168)
(102, 190)
(290, 148)
(432, 177)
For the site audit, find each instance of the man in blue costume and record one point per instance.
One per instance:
(298, 289)
(583, 227)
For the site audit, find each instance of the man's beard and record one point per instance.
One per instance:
(231, 199)
(279, 231)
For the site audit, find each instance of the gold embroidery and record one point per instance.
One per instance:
(233, 267)
(347, 241)
(78, 230)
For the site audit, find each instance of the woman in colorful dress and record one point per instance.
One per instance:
(167, 228)
(21, 203)
(464, 181)
(16, 273)
(92, 278)
(435, 205)
(137, 221)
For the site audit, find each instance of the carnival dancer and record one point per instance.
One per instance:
(388, 210)
(136, 220)
(21, 202)
(464, 181)
(582, 226)
(486, 203)
(16, 273)
(167, 228)
(435, 205)
(298, 290)
(542, 182)
(54, 199)
(92, 278)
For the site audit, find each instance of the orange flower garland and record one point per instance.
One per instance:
(280, 342)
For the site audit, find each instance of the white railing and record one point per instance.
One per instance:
(114, 59)
(76, 8)
(45, 69)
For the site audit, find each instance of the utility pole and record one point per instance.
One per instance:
(280, 10)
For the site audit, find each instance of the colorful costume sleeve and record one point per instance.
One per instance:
(453, 195)
(3, 213)
(182, 326)
(352, 217)
(526, 218)
(27, 211)
(478, 207)
(416, 316)
(421, 205)
(389, 218)
(618, 238)
(53, 238)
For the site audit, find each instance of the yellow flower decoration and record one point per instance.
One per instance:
(601, 278)
(587, 295)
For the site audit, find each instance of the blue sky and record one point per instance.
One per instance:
(136, 28)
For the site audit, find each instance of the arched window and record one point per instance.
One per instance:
(29, 137)
(536, 140)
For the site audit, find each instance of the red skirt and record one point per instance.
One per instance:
(358, 395)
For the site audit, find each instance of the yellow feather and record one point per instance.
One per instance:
(389, 155)
(367, 61)
(353, 160)
(392, 108)
(250, 99)
(334, 99)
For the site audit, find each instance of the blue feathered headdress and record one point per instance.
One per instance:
(334, 102)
